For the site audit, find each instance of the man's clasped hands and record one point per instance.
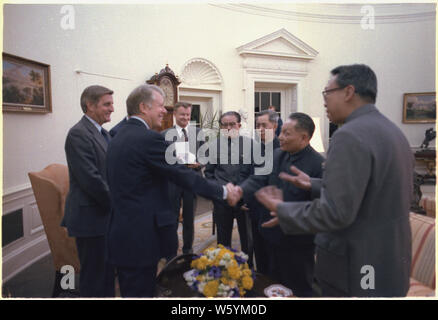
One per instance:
(270, 196)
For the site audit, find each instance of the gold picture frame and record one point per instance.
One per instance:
(419, 107)
(26, 85)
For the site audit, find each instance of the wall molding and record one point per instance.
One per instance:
(338, 13)
(16, 261)
(278, 58)
(28, 249)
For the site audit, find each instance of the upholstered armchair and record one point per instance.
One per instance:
(50, 187)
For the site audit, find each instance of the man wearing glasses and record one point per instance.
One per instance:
(361, 213)
(231, 166)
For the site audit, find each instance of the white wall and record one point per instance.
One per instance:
(135, 41)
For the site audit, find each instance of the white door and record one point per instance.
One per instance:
(280, 95)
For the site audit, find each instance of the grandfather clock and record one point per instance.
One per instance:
(167, 81)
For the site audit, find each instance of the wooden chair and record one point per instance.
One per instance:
(50, 187)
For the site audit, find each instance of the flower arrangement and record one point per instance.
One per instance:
(220, 272)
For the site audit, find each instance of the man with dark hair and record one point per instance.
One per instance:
(291, 257)
(361, 217)
(233, 170)
(87, 206)
(182, 131)
(279, 121)
(142, 221)
(266, 125)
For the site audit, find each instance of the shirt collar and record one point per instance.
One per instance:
(98, 126)
(366, 108)
(301, 152)
(179, 129)
(141, 120)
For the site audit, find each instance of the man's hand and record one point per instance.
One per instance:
(271, 223)
(234, 194)
(194, 165)
(301, 180)
(270, 197)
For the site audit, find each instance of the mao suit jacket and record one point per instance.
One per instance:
(138, 177)
(362, 214)
(87, 206)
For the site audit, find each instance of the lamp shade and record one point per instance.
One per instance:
(316, 141)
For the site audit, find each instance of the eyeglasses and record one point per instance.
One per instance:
(226, 125)
(325, 92)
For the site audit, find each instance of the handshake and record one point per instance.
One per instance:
(234, 194)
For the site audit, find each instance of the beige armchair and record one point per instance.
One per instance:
(50, 187)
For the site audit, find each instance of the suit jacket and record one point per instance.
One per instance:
(279, 126)
(362, 215)
(307, 160)
(192, 133)
(138, 177)
(228, 172)
(116, 128)
(87, 206)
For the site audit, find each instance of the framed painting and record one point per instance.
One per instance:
(26, 85)
(419, 107)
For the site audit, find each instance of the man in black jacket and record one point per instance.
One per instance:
(231, 165)
(291, 257)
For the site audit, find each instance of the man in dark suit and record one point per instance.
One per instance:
(143, 221)
(291, 257)
(87, 206)
(116, 128)
(360, 213)
(182, 131)
(266, 125)
(279, 121)
(237, 167)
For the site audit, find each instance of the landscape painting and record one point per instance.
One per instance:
(419, 107)
(26, 85)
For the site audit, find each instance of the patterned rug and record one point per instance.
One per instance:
(204, 237)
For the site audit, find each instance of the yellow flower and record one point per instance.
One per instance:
(234, 272)
(247, 282)
(241, 292)
(202, 263)
(225, 281)
(210, 289)
(246, 272)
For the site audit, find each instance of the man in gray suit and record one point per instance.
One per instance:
(183, 132)
(361, 215)
(87, 206)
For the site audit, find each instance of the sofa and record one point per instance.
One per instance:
(422, 281)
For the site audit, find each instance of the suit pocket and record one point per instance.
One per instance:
(332, 262)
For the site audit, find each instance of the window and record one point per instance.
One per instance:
(265, 99)
(196, 115)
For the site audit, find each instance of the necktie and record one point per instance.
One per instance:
(185, 135)
(104, 135)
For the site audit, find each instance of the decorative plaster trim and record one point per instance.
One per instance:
(338, 13)
(19, 259)
(199, 72)
(16, 193)
(251, 47)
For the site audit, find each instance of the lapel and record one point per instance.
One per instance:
(95, 134)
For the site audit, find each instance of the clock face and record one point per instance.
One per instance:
(167, 86)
